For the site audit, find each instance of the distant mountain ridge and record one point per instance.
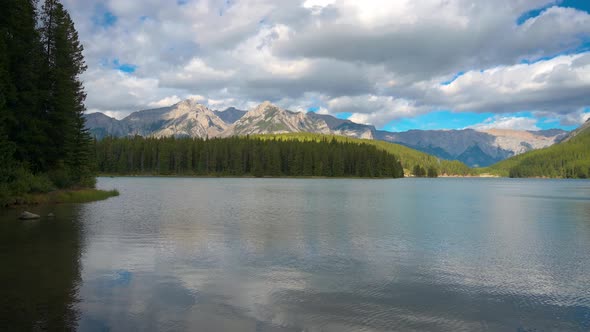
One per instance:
(474, 147)
(230, 115)
(584, 128)
(267, 118)
(345, 127)
(189, 118)
(569, 158)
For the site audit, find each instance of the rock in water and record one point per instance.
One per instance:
(50, 215)
(28, 215)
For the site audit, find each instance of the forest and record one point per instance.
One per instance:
(570, 159)
(243, 156)
(414, 162)
(43, 142)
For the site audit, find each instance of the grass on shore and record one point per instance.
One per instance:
(67, 196)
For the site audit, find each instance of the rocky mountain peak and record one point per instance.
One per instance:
(189, 101)
(190, 118)
(268, 118)
(266, 104)
(265, 107)
(187, 106)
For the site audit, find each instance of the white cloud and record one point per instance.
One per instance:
(317, 3)
(558, 86)
(215, 104)
(167, 101)
(504, 122)
(371, 109)
(378, 60)
(568, 119)
(421, 39)
(323, 110)
(195, 74)
(256, 53)
(114, 91)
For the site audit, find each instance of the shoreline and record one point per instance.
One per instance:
(483, 176)
(406, 176)
(241, 176)
(444, 176)
(62, 196)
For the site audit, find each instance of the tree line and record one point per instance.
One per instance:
(243, 156)
(421, 172)
(568, 160)
(414, 162)
(43, 141)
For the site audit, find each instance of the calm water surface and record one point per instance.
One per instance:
(174, 254)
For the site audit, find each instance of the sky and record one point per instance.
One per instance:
(398, 64)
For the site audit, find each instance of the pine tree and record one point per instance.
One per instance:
(63, 95)
(419, 171)
(7, 148)
(22, 119)
(243, 156)
(432, 173)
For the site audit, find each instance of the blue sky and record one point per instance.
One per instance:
(398, 65)
(102, 17)
(582, 5)
(438, 120)
(448, 120)
(124, 67)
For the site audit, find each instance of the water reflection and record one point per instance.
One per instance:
(40, 272)
(336, 255)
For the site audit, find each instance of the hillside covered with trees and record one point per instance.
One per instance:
(243, 156)
(43, 143)
(568, 159)
(414, 162)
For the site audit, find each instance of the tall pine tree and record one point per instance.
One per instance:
(19, 72)
(6, 146)
(63, 95)
(42, 130)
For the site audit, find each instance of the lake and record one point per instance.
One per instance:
(199, 254)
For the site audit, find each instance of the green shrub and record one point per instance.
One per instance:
(41, 184)
(21, 181)
(61, 178)
(5, 195)
(25, 182)
(88, 182)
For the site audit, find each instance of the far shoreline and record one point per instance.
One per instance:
(239, 176)
(286, 177)
(482, 176)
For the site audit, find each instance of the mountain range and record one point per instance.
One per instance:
(569, 158)
(189, 118)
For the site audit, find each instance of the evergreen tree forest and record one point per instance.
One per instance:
(243, 156)
(43, 141)
(411, 160)
(421, 172)
(570, 159)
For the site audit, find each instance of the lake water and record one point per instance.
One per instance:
(174, 254)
